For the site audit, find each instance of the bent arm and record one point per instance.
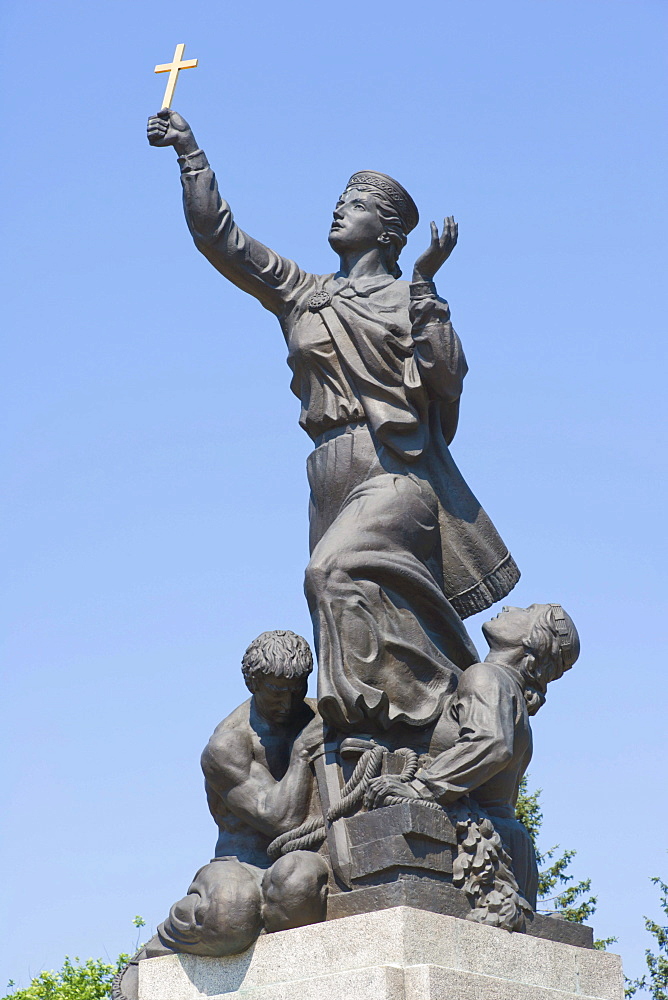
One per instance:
(437, 348)
(248, 789)
(486, 741)
(246, 262)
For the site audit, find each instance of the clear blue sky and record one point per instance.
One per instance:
(157, 497)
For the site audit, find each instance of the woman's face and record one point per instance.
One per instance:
(356, 225)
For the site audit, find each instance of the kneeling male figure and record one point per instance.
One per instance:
(259, 784)
(485, 727)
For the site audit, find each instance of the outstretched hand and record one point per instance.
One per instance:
(438, 251)
(168, 128)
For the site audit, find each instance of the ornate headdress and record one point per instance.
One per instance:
(399, 196)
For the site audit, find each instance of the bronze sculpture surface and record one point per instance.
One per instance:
(400, 784)
(401, 550)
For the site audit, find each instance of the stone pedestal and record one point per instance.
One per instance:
(393, 954)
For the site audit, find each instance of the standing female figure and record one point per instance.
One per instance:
(401, 551)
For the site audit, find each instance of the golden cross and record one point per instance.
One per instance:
(174, 68)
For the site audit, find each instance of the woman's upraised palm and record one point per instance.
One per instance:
(438, 251)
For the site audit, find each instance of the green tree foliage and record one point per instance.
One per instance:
(655, 979)
(76, 980)
(571, 900)
(138, 922)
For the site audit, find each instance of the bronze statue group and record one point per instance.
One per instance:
(401, 553)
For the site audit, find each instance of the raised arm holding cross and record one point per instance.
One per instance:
(174, 68)
(168, 128)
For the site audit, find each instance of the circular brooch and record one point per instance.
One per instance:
(319, 300)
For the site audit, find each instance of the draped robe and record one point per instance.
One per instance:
(401, 550)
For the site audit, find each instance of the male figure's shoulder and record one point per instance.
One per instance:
(231, 741)
(486, 677)
(236, 721)
(479, 673)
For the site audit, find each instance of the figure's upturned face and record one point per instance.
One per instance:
(279, 699)
(511, 627)
(356, 225)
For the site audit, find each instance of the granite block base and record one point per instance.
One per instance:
(401, 953)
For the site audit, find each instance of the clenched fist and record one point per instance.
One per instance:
(310, 740)
(168, 128)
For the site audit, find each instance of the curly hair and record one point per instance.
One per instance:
(280, 653)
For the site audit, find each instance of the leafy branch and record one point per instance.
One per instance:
(572, 900)
(656, 978)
